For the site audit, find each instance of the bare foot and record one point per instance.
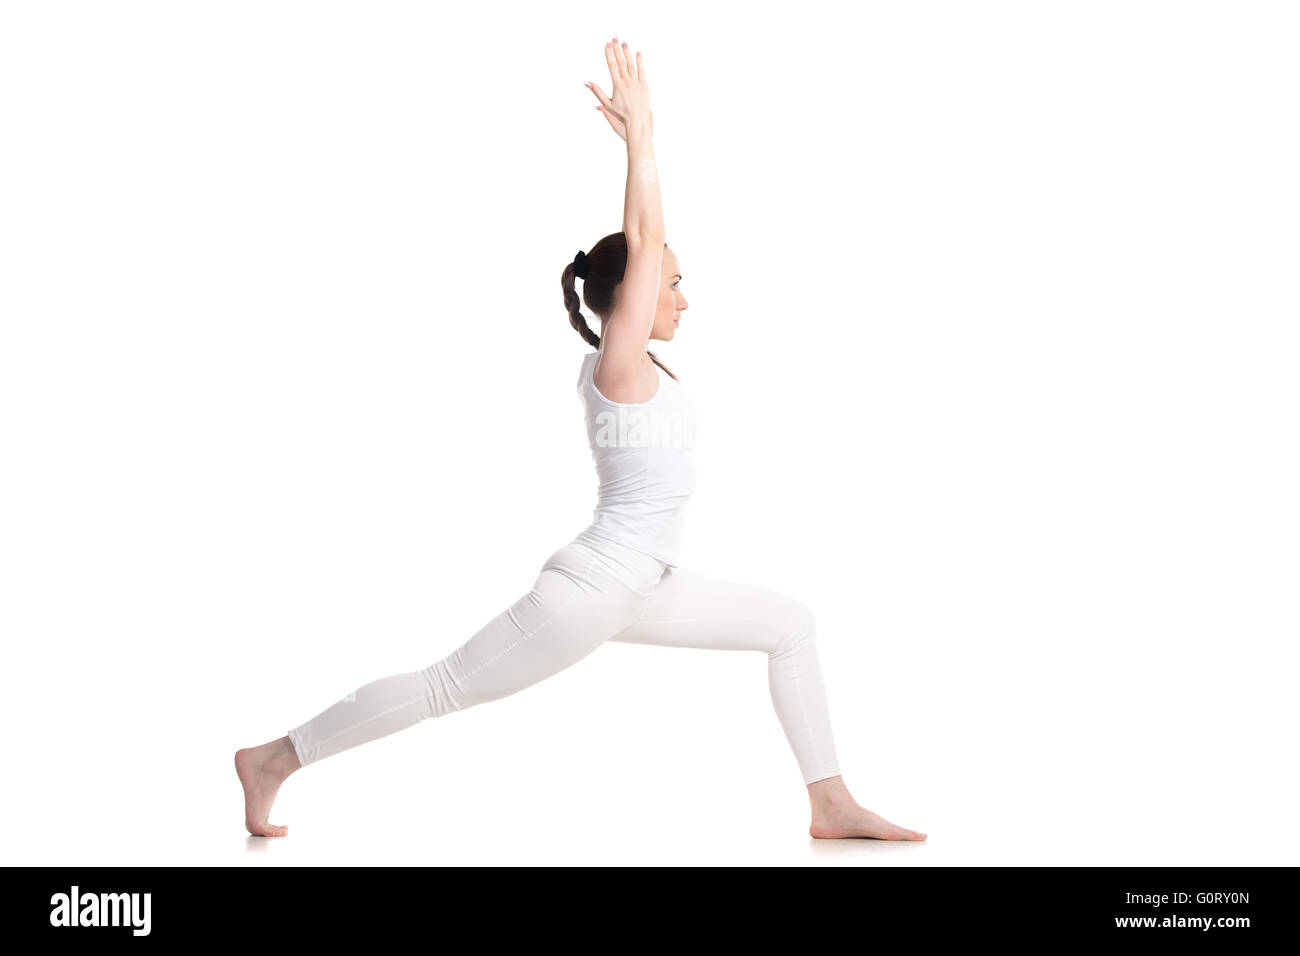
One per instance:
(836, 816)
(858, 821)
(261, 771)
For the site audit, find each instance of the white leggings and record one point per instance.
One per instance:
(588, 592)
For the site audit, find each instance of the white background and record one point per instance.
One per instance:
(993, 336)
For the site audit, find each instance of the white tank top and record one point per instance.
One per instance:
(644, 462)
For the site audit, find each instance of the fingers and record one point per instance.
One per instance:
(620, 55)
(600, 95)
(614, 72)
(606, 108)
(620, 66)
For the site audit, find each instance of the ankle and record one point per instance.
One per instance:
(830, 794)
(281, 758)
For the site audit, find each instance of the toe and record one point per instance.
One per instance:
(267, 830)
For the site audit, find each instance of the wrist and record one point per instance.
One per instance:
(641, 128)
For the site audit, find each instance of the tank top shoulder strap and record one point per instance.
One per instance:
(584, 368)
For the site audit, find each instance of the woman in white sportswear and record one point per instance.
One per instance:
(618, 580)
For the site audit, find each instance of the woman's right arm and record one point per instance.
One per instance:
(624, 370)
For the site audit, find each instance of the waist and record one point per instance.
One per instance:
(591, 559)
(657, 534)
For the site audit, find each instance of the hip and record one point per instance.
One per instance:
(595, 562)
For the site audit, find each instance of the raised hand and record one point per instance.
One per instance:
(631, 100)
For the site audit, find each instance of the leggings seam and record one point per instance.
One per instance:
(707, 618)
(577, 589)
(803, 710)
(372, 717)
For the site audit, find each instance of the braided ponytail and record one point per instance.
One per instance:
(572, 303)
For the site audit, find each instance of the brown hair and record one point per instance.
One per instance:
(606, 263)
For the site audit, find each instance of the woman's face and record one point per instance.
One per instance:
(671, 301)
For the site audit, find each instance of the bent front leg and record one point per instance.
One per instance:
(689, 609)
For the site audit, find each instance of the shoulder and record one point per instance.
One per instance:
(627, 384)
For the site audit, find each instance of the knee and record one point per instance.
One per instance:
(445, 692)
(798, 626)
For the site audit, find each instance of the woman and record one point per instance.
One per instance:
(618, 579)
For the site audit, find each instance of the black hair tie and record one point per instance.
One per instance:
(580, 265)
